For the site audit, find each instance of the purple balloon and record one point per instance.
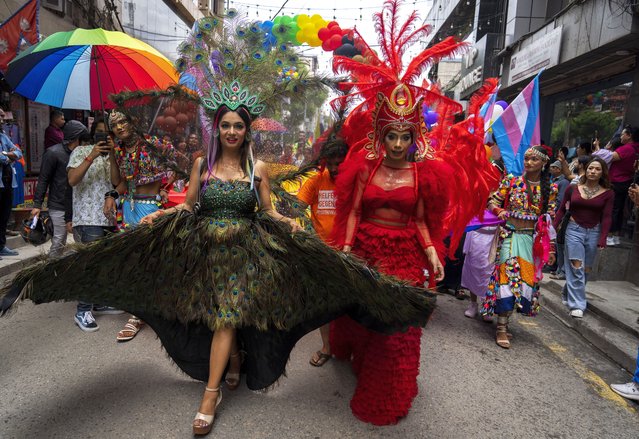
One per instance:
(502, 104)
(431, 117)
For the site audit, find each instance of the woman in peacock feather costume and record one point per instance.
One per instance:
(225, 272)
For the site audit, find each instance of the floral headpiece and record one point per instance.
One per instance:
(402, 112)
(234, 96)
(115, 117)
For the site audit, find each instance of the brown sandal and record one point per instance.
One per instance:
(319, 359)
(232, 380)
(130, 330)
(502, 337)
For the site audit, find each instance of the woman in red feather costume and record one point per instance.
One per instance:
(394, 213)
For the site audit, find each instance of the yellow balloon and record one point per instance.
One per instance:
(309, 32)
(315, 42)
(359, 58)
(300, 36)
(303, 19)
(316, 17)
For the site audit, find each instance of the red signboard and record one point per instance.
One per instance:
(29, 184)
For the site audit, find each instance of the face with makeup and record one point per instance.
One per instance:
(232, 130)
(122, 128)
(533, 163)
(396, 144)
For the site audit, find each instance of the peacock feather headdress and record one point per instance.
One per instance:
(232, 65)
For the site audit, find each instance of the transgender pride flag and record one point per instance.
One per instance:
(518, 127)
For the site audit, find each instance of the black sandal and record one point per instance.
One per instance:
(322, 358)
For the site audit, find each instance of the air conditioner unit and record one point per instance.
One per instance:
(55, 5)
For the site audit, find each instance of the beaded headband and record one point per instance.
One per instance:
(537, 153)
(233, 97)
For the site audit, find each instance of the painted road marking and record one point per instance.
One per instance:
(566, 357)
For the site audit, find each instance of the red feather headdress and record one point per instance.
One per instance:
(386, 87)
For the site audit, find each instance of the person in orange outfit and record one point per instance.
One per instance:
(318, 193)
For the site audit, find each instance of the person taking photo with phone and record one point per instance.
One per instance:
(89, 173)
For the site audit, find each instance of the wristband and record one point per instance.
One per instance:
(88, 159)
(112, 194)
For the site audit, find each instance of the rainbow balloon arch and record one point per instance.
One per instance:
(312, 30)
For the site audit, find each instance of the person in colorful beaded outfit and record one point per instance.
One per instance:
(136, 173)
(524, 243)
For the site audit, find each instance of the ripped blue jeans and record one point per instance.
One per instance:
(580, 249)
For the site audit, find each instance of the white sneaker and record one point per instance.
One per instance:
(610, 241)
(629, 390)
(577, 313)
(617, 240)
(471, 311)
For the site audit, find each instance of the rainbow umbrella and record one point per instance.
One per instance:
(81, 68)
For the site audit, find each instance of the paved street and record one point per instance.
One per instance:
(58, 382)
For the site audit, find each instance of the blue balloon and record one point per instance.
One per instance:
(267, 25)
(431, 118)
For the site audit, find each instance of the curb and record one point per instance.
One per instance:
(18, 265)
(602, 331)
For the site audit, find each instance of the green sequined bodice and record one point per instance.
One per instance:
(228, 199)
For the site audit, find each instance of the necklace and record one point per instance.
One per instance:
(590, 192)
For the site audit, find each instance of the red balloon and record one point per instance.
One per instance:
(335, 41)
(180, 130)
(324, 34)
(336, 30)
(182, 119)
(326, 45)
(331, 24)
(159, 121)
(180, 105)
(170, 123)
(170, 111)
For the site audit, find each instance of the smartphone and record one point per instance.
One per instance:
(101, 137)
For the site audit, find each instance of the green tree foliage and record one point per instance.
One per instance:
(587, 123)
(584, 125)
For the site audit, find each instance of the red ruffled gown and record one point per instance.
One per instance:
(386, 365)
